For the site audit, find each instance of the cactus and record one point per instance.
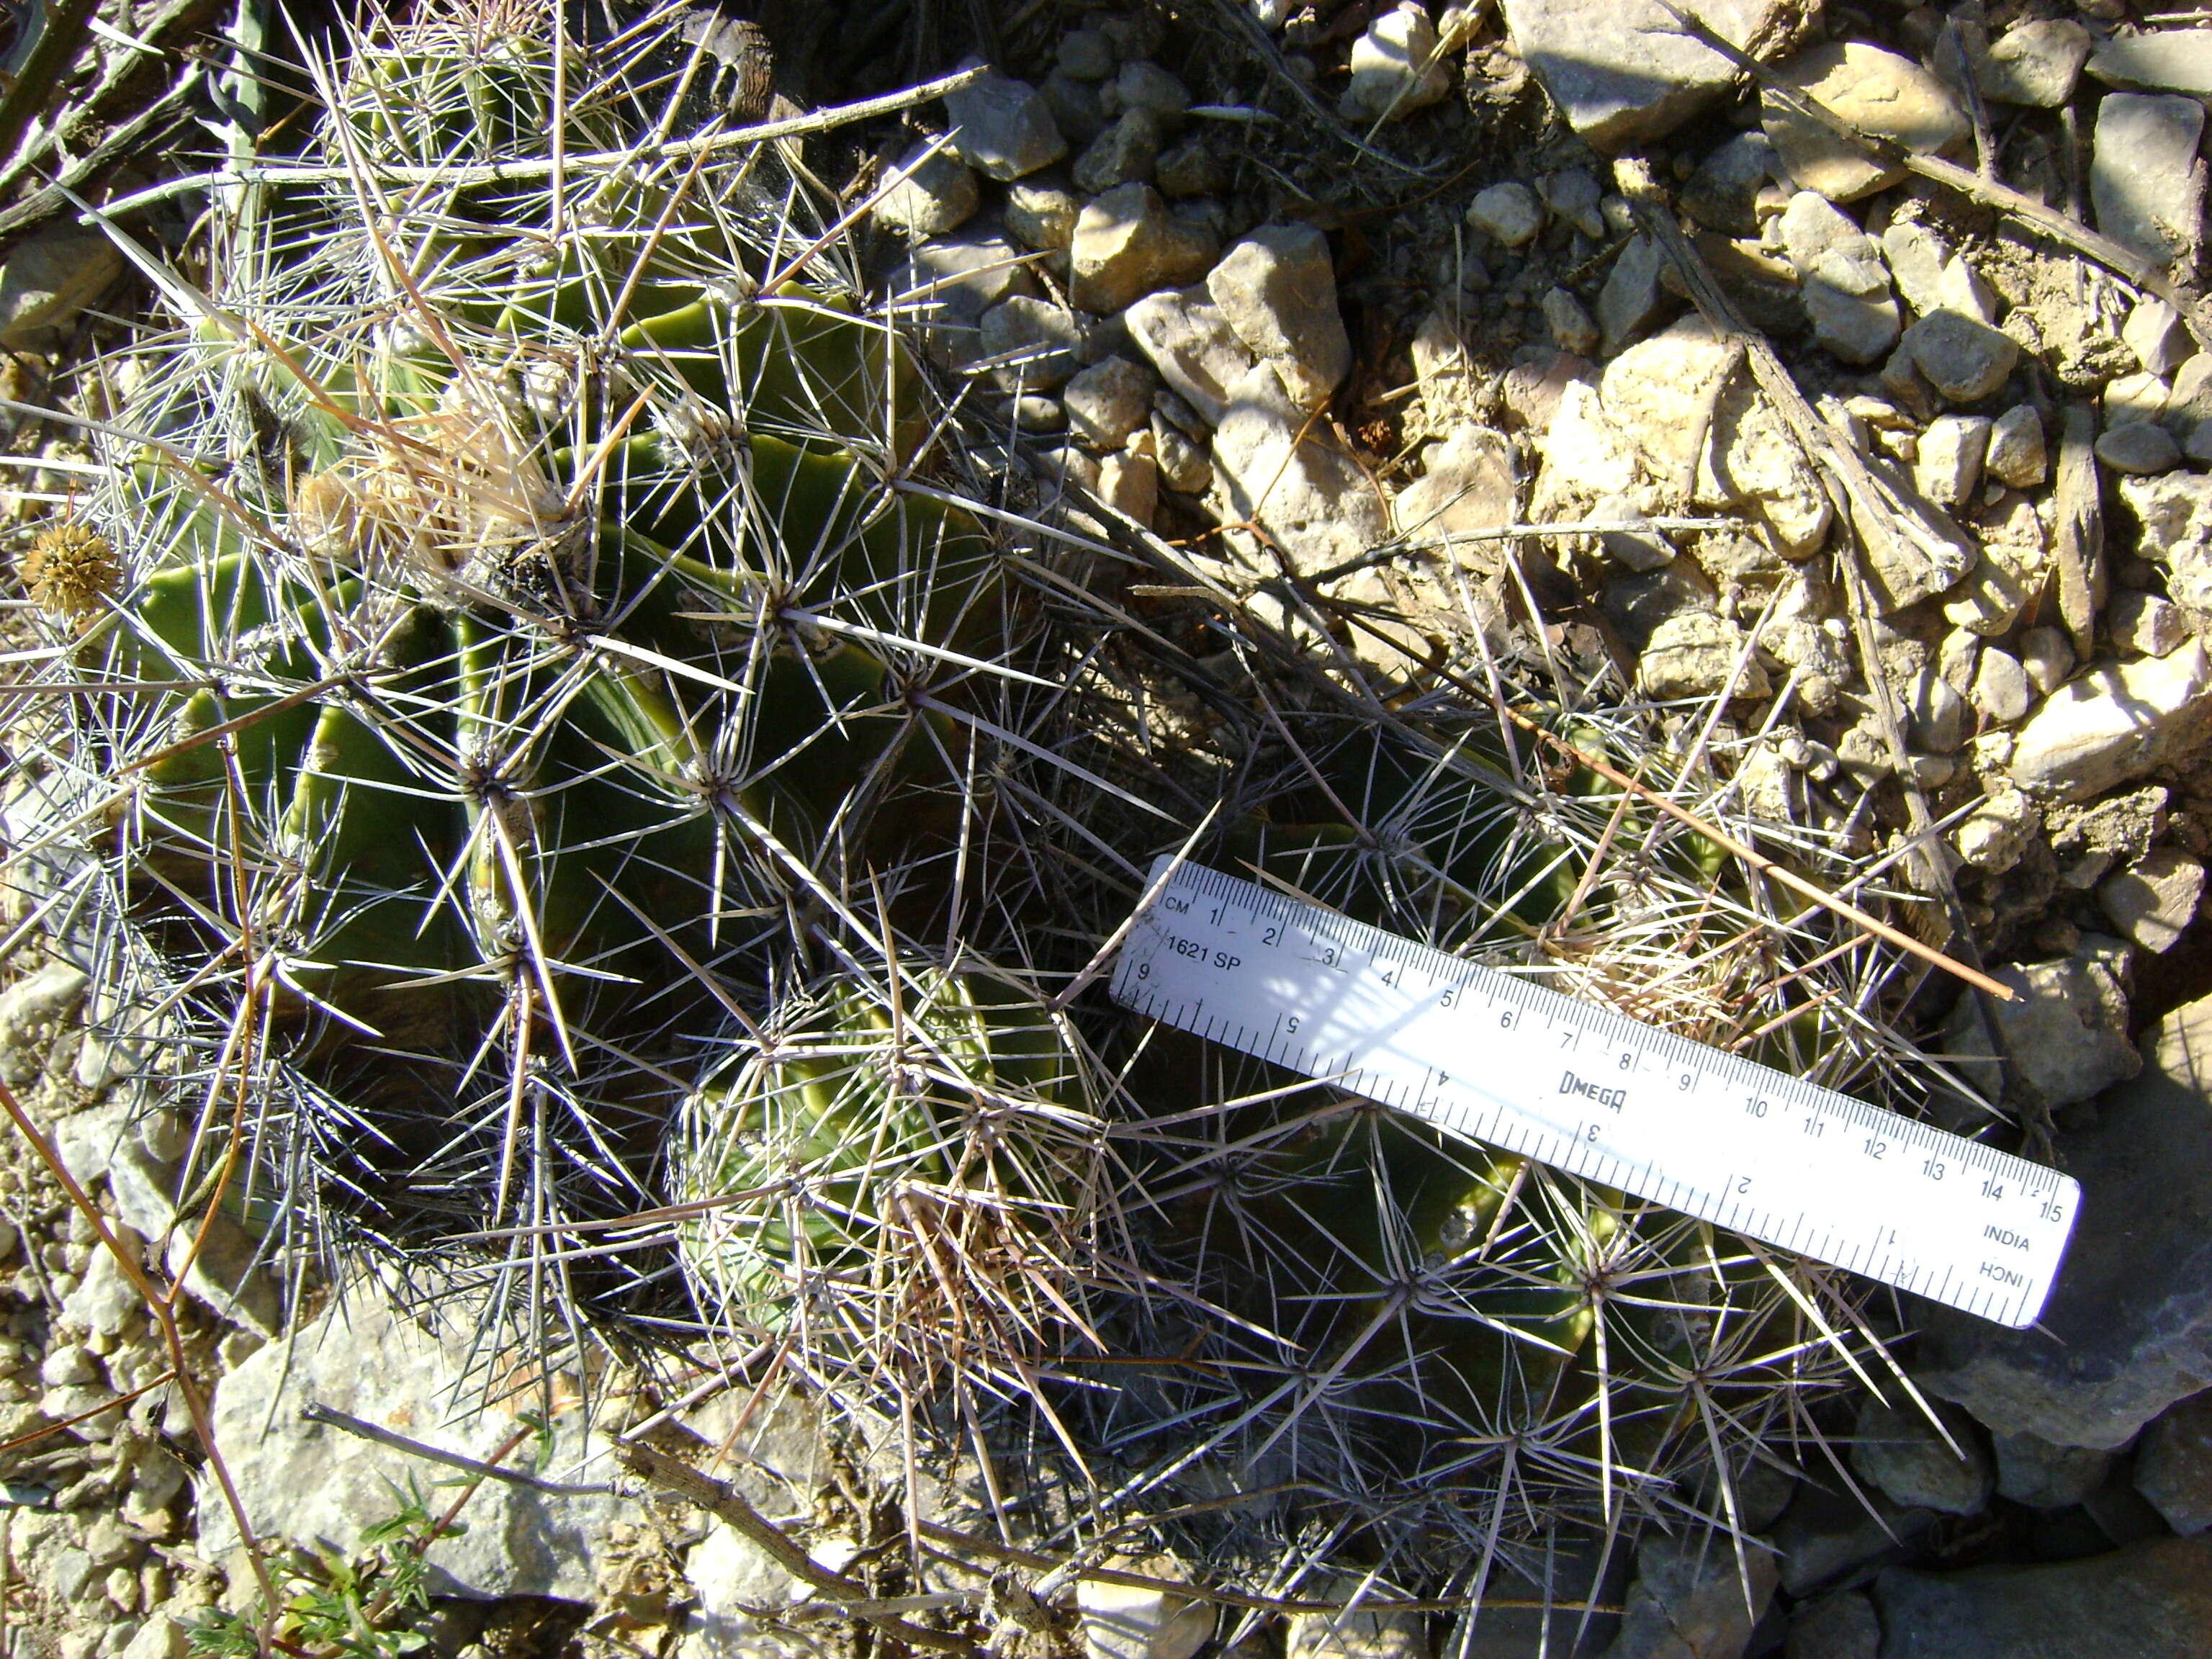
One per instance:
(549, 709)
(531, 646)
(892, 1166)
(1443, 1353)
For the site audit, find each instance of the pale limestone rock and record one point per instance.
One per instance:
(2017, 455)
(1664, 393)
(1466, 483)
(1877, 92)
(1129, 1621)
(2155, 898)
(2114, 724)
(1128, 244)
(1948, 468)
(1187, 339)
(1277, 288)
(1694, 653)
(1002, 127)
(1315, 504)
(1622, 71)
(1510, 212)
(1397, 68)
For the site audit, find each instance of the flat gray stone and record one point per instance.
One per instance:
(2033, 1471)
(2128, 1330)
(2174, 1465)
(1690, 1601)
(2146, 179)
(2140, 449)
(1631, 298)
(312, 1484)
(1622, 71)
(1917, 256)
(1002, 127)
(1964, 358)
(2166, 60)
(1838, 1626)
(2149, 1601)
(1901, 1452)
(2155, 899)
(2065, 1031)
(1845, 282)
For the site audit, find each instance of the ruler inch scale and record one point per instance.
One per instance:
(1494, 1057)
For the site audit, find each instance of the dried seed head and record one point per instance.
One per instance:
(72, 570)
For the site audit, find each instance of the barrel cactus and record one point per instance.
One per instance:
(542, 702)
(893, 1169)
(533, 626)
(1443, 1354)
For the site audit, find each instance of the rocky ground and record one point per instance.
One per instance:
(1340, 291)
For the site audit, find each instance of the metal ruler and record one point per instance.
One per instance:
(1497, 1058)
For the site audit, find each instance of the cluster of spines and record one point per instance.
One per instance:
(511, 411)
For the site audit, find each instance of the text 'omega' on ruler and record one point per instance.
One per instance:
(1590, 1092)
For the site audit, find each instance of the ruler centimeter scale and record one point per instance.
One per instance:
(1496, 1059)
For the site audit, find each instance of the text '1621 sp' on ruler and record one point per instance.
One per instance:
(1498, 1059)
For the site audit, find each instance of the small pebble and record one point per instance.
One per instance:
(1126, 153)
(1962, 357)
(1948, 466)
(2134, 397)
(1086, 55)
(1574, 194)
(2001, 691)
(1510, 212)
(2015, 454)
(1193, 168)
(2157, 337)
(2141, 447)
(1571, 325)
(1108, 401)
(1396, 67)
(2048, 656)
(1142, 85)
(2145, 625)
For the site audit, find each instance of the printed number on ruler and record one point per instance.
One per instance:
(1496, 1059)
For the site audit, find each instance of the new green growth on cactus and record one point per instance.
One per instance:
(896, 1163)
